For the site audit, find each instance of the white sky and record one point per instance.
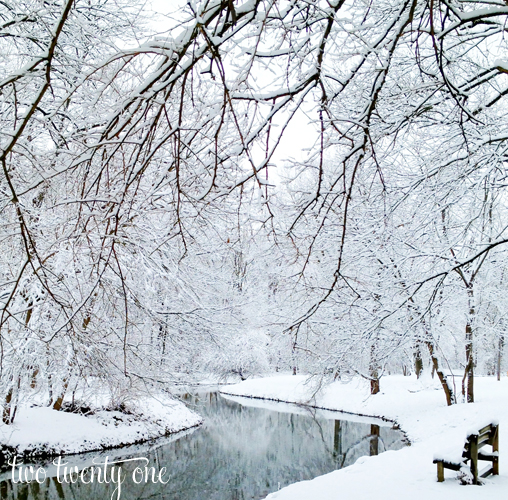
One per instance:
(299, 135)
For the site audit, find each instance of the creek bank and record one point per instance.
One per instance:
(41, 432)
(419, 407)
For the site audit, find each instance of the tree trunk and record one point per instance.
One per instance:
(469, 370)
(59, 401)
(33, 381)
(374, 370)
(6, 414)
(418, 359)
(450, 396)
(500, 356)
(374, 386)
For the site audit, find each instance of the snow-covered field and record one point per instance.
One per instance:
(43, 431)
(419, 407)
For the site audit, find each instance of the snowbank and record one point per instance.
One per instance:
(42, 431)
(419, 407)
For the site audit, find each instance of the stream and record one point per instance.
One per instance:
(245, 449)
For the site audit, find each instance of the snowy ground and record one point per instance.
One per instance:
(420, 409)
(39, 431)
(43, 431)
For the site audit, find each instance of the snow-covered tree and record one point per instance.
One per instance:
(129, 158)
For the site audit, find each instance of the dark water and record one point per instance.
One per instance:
(241, 452)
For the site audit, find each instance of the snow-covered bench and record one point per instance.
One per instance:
(488, 435)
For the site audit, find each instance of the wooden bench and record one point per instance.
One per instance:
(488, 435)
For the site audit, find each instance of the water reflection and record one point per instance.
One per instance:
(240, 453)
